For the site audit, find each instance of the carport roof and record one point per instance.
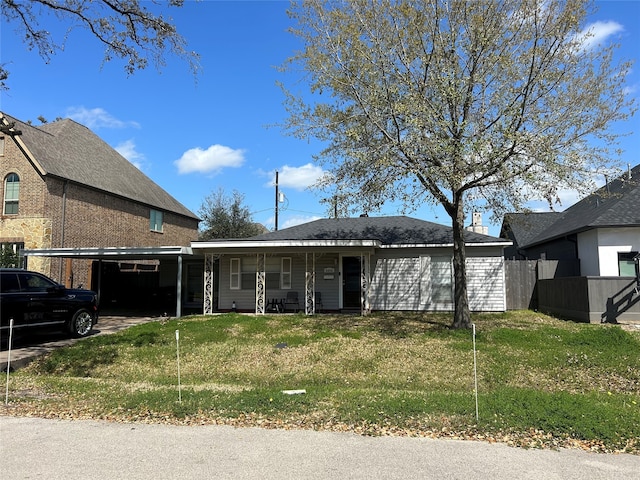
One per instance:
(111, 253)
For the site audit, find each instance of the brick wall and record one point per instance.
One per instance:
(31, 226)
(90, 218)
(97, 219)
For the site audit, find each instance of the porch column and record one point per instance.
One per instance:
(365, 260)
(209, 280)
(261, 283)
(310, 285)
(179, 289)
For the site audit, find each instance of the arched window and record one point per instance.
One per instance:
(11, 194)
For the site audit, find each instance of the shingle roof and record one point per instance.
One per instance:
(397, 230)
(71, 151)
(524, 227)
(614, 205)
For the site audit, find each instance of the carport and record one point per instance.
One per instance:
(164, 253)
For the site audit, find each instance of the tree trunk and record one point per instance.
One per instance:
(461, 315)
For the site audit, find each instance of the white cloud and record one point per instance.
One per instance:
(128, 150)
(597, 33)
(286, 221)
(297, 178)
(211, 160)
(94, 118)
(298, 220)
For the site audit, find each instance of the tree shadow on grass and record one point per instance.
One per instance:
(391, 324)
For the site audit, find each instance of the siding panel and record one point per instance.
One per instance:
(395, 284)
(485, 284)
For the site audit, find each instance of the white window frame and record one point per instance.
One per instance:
(11, 195)
(435, 281)
(285, 273)
(626, 264)
(156, 219)
(235, 274)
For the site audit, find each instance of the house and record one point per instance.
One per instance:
(63, 188)
(601, 234)
(602, 230)
(521, 228)
(351, 264)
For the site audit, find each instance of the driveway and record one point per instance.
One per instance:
(29, 345)
(89, 450)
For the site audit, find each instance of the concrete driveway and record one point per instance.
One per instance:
(29, 345)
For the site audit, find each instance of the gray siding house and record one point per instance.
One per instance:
(351, 264)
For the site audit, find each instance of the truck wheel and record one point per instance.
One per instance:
(81, 323)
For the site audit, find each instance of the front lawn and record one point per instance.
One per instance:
(541, 381)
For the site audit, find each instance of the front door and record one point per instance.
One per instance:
(351, 283)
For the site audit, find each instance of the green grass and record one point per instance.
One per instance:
(541, 381)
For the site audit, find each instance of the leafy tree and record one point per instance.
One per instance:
(8, 258)
(226, 217)
(127, 30)
(466, 104)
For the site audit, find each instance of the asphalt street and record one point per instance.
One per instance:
(34, 448)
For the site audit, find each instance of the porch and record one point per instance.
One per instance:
(288, 281)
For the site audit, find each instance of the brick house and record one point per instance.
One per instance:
(63, 187)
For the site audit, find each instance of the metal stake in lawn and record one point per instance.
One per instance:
(475, 369)
(178, 358)
(6, 395)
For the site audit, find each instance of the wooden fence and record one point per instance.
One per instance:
(521, 278)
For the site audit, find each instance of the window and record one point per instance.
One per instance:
(234, 274)
(441, 280)
(1, 145)
(11, 194)
(626, 264)
(155, 221)
(9, 282)
(285, 273)
(30, 282)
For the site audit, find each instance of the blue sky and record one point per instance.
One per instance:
(195, 135)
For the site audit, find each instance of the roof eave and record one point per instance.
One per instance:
(110, 252)
(244, 244)
(235, 244)
(576, 231)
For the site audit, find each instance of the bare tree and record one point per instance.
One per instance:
(127, 30)
(465, 104)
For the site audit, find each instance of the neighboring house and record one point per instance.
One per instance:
(521, 228)
(62, 187)
(358, 264)
(601, 233)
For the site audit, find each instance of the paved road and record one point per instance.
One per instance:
(36, 448)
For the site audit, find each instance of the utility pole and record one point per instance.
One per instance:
(277, 197)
